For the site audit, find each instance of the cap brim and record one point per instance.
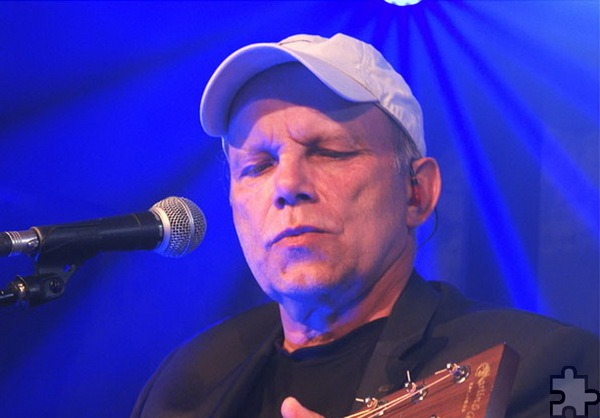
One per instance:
(247, 62)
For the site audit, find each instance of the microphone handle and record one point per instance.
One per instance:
(6, 245)
(136, 231)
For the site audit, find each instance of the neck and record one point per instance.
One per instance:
(329, 317)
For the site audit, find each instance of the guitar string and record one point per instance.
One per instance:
(394, 402)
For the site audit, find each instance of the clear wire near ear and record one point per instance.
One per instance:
(413, 175)
(433, 231)
(411, 171)
(414, 200)
(414, 191)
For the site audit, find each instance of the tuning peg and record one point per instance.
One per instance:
(369, 402)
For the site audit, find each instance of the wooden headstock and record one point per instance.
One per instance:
(478, 387)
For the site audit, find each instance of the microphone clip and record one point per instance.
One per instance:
(48, 283)
(32, 290)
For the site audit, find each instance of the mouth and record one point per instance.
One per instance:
(294, 232)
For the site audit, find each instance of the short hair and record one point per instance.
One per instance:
(404, 147)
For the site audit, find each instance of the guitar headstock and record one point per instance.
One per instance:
(478, 387)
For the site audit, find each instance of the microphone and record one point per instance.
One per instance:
(173, 227)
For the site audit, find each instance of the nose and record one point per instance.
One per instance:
(293, 184)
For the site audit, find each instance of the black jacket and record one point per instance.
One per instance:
(431, 324)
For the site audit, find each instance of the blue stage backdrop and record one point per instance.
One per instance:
(99, 117)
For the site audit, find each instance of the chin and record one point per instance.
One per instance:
(302, 285)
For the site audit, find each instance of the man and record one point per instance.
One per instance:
(329, 181)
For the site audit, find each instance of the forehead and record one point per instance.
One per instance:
(292, 94)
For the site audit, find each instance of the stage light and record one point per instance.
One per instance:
(403, 2)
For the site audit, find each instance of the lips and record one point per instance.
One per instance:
(293, 232)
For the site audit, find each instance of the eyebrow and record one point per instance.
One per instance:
(336, 137)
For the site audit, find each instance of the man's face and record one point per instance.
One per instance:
(318, 202)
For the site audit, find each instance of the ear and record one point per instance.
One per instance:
(424, 190)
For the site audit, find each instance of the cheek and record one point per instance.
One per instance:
(248, 218)
(380, 207)
(239, 209)
(371, 191)
(243, 221)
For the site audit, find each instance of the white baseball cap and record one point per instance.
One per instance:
(353, 69)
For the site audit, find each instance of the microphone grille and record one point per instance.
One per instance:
(184, 226)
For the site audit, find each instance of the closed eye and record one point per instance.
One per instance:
(254, 170)
(333, 154)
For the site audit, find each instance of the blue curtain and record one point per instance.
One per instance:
(99, 117)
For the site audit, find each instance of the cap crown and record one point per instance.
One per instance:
(353, 69)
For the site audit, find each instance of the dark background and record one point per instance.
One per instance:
(99, 117)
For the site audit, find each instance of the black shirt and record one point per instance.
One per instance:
(323, 378)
